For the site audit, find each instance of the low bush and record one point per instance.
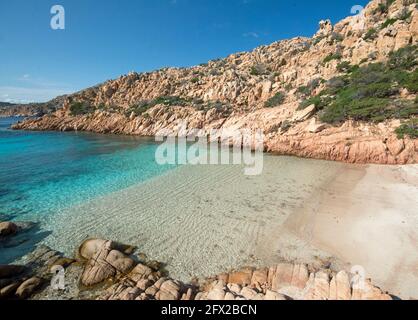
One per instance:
(345, 66)
(384, 6)
(337, 37)
(138, 109)
(405, 58)
(388, 22)
(307, 90)
(259, 70)
(275, 101)
(411, 82)
(169, 101)
(410, 129)
(371, 34)
(81, 108)
(370, 92)
(332, 56)
(405, 14)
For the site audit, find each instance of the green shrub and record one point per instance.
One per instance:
(409, 129)
(388, 22)
(384, 6)
(366, 109)
(345, 66)
(371, 34)
(304, 90)
(405, 14)
(138, 109)
(336, 37)
(194, 80)
(404, 58)
(254, 71)
(318, 39)
(316, 100)
(285, 126)
(370, 92)
(307, 90)
(142, 107)
(377, 90)
(169, 101)
(81, 108)
(275, 101)
(259, 70)
(332, 56)
(411, 82)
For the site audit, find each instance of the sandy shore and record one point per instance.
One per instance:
(368, 216)
(202, 221)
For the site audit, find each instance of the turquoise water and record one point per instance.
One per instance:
(42, 173)
(199, 220)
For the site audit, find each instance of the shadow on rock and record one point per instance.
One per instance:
(22, 242)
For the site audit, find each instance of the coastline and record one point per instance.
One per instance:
(351, 142)
(323, 229)
(324, 225)
(305, 255)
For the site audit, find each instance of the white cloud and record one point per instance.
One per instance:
(25, 77)
(251, 34)
(26, 95)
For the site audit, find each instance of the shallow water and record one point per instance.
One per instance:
(200, 220)
(42, 173)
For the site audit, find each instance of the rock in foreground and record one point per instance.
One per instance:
(110, 271)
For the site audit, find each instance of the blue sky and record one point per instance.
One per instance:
(104, 39)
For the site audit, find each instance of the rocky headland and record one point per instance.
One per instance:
(347, 94)
(30, 109)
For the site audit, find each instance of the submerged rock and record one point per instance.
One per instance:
(28, 287)
(7, 229)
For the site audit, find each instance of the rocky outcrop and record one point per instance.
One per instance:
(31, 109)
(233, 93)
(285, 281)
(22, 281)
(103, 261)
(111, 271)
(7, 229)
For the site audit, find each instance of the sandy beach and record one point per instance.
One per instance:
(204, 220)
(368, 216)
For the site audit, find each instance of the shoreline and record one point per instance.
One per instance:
(320, 241)
(383, 240)
(352, 142)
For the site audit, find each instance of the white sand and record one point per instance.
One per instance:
(368, 217)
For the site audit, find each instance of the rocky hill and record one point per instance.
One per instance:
(31, 109)
(349, 93)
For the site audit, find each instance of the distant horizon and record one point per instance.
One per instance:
(39, 63)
